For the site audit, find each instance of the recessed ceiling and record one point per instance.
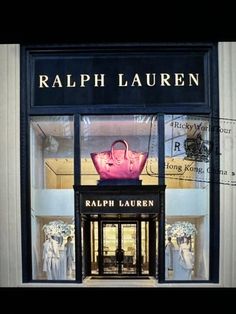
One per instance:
(54, 128)
(60, 166)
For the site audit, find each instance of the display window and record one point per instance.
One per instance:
(52, 199)
(187, 174)
(119, 148)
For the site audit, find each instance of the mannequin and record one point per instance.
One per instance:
(69, 255)
(51, 258)
(186, 259)
(169, 256)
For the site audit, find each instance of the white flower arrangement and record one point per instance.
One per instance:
(58, 228)
(181, 229)
(166, 230)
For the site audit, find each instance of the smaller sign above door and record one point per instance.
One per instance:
(118, 201)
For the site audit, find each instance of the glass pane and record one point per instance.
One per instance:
(157, 237)
(145, 247)
(110, 244)
(187, 168)
(94, 247)
(52, 197)
(128, 244)
(119, 149)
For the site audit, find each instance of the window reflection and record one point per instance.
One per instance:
(187, 152)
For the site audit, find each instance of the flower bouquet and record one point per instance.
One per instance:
(181, 229)
(58, 228)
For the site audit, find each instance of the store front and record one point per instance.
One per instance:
(117, 163)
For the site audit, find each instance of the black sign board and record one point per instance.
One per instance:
(141, 79)
(97, 200)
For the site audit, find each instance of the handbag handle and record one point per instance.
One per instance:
(126, 148)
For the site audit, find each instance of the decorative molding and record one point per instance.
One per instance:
(10, 230)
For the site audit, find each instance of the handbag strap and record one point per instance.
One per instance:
(126, 148)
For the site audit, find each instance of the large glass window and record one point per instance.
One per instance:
(187, 169)
(52, 197)
(119, 149)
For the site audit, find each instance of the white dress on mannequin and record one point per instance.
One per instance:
(51, 258)
(185, 261)
(169, 257)
(69, 256)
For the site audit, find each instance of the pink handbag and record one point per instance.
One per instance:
(119, 164)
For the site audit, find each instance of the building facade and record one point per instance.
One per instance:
(66, 215)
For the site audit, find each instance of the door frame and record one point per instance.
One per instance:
(151, 245)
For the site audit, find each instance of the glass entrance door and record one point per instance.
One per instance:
(119, 248)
